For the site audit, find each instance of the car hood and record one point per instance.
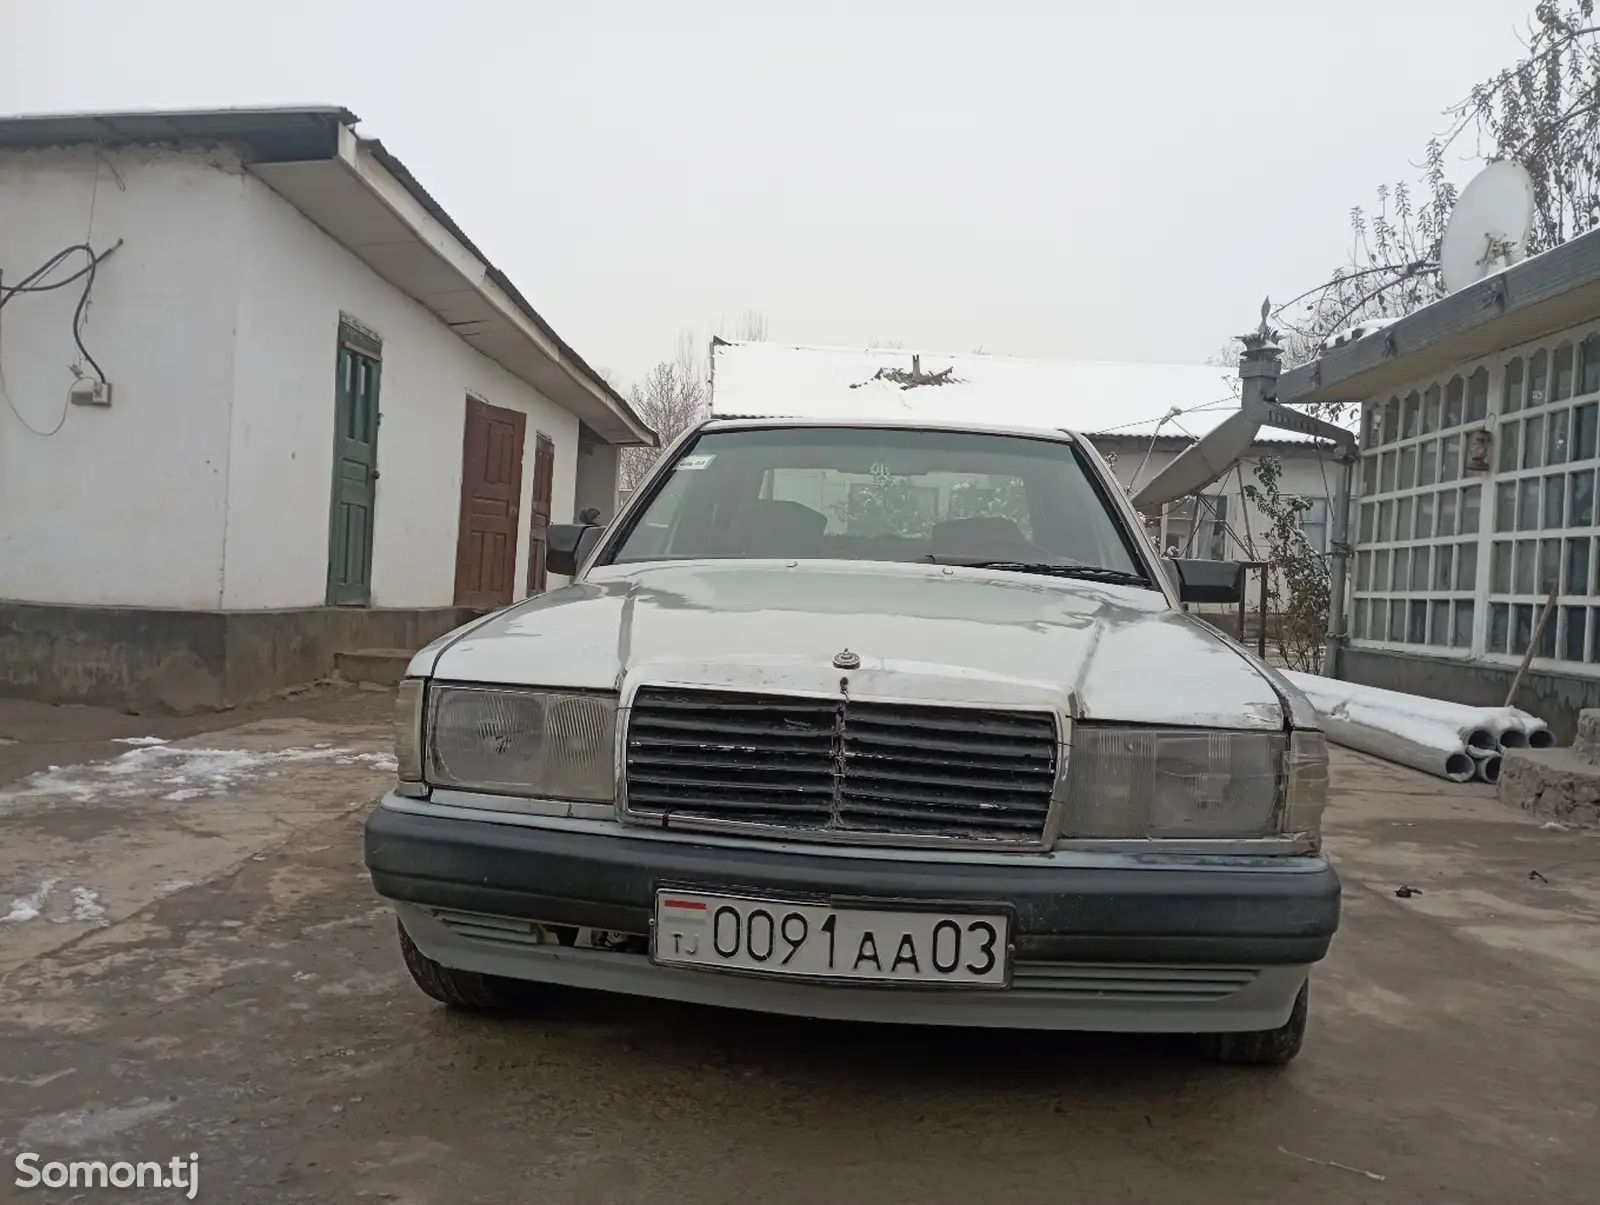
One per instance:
(923, 633)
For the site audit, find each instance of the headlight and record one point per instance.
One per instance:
(408, 729)
(549, 744)
(1173, 783)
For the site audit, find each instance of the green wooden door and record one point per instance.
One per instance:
(355, 471)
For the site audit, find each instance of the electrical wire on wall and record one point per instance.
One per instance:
(35, 282)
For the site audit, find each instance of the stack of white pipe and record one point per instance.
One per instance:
(1451, 740)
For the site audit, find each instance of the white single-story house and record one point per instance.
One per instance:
(1475, 518)
(1140, 417)
(290, 409)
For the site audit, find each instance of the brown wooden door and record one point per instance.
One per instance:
(491, 493)
(544, 471)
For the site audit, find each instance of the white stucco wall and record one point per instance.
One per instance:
(122, 505)
(295, 282)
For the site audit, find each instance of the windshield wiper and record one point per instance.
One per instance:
(1096, 573)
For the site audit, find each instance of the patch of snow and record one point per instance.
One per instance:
(77, 1127)
(86, 906)
(28, 907)
(139, 740)
(170, 885)
(191, 773)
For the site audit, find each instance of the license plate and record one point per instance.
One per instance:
(758, 936)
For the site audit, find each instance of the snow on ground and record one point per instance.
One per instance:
(28, 907)
(139, 740)
(176, 774)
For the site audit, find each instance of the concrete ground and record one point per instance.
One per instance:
(194, 962)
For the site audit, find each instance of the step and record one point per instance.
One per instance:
(1555, 784)
(373, 667)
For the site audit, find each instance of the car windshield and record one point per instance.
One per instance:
(882, 494)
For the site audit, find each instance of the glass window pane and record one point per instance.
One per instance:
(1506, 436)
(1521, 628)
(1369, 426)
(1363, 571)
(1369, 475)
(1500, 568)
(1430, 412)
(1563, 373)
(1574, 621)
(1447, 512)
(1363, 618)
(1368, 516)
(1418, 633)
(1397, 620)
(1584, 420)
(1442, 566)
(1555, 493)
(1424, 528)
(1577, 566)
(1549, 565)
(1478, 395)
(1538, 372)
(1589, 376)
(1528, 504)
(1408, 467)
(1505, 506)
(1402, 568)
(1380, 570)
(1547, 638)
(1419, 569)
(1386, 474)
(1450, 458)
(1439, 622)
(1391, 421)
(1454, 396)
(1466, 567)
(1409, 416)
(1471, 497)
(1386, 521)
(1527, 567)
(1533, 443)
(1461, 630)
(1499, 628)
(1402, 519)
(1433, 403)
(1378, 621)
(1594, 634)
(1511, 394)
(1580, 499)
(1428, 464)
(1555, 444)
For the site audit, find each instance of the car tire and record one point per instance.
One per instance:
(458, 989)
(1263, 1047)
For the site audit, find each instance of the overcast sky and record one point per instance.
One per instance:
(1058, 178)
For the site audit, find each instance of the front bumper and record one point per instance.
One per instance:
(1102, 941)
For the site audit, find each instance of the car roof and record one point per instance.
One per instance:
(738, 422)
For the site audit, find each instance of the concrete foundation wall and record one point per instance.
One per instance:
(143, 660)
(1554, 698)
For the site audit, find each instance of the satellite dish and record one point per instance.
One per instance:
(1203, 461)
(1489, 226)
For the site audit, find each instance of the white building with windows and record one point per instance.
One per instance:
(1474, 515)
(264, 401)
(1140, 417)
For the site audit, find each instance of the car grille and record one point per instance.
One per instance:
(840, 766)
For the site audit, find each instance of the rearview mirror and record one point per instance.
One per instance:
(1209, 581)
(568, 545)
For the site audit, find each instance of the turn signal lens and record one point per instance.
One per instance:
(408, 729)
(1307, 793)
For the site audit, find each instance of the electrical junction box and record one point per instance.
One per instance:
(87, 392)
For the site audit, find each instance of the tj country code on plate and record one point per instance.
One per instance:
(814, 941)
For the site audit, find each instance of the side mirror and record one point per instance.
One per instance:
(568, 545)
(1208, 581)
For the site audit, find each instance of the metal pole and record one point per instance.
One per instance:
(1339, 549)
(1244, 597)
(1261, 636)
(1533, 643)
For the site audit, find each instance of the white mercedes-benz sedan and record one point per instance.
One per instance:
(889, 722)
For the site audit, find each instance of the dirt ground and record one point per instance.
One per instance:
(191, 960)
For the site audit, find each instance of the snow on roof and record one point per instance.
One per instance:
(775, 380)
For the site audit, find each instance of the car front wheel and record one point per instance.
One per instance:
(458, 989)
(1263, 1047)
